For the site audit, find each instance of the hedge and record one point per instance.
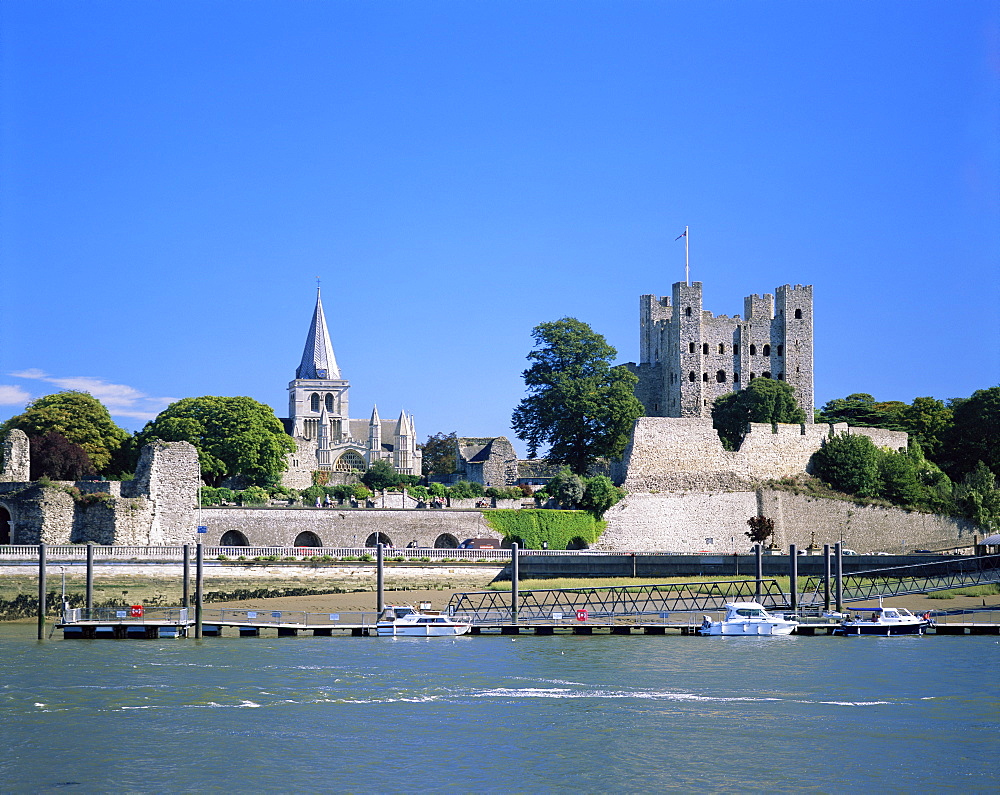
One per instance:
(532, 526)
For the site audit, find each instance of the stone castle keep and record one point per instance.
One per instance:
(688, 357)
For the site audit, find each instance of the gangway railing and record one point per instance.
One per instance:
(611, 602)
(916, 578)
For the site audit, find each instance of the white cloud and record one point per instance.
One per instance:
(12, 395)
(121, 400)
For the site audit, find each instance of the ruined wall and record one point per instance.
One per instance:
(16, 458)
(716, 522)
(342, 528)
(674, 453)
(167, 475)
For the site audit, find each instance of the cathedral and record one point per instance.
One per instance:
(327, 440)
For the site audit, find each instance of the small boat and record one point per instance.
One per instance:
(410, 622)
(748, 618)
(884, 621)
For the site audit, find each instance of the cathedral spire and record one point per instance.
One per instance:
(318, 361)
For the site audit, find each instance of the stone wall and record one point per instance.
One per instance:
(716, 522)
(16, 458)
(338, 527)
(674, 453)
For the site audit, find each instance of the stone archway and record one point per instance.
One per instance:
(307, 539)
(378, 538)
(4, 525)
(446, 541)
(577, 543)
(233, 538)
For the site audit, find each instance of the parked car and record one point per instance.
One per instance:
(848, 552)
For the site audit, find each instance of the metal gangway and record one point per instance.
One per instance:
(913, 579)
(613, 602)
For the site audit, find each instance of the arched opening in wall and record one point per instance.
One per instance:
(722, 348)
(781, 350)
(4, 525)
(687, 311)
(307, 539)
(233, 538)
(446, 541)
(577, 543)
(704, 348)
(736, 378)
(692, 376)
(781, 376)
(720, 377)
(753, 350)
(704, 377)
(329, 402)
(767, 350)
(736, 349)
(798, 314)
(765, 375)
(350, 461)
(752, 376)
(378, 538)
(505, 544)
(314, 402)
(690, 347)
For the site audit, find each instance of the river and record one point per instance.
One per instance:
(499, 714)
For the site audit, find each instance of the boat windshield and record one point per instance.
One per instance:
(750, 612)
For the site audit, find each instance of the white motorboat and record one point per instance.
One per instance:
(884, 621)
(410, 622)
(748, 618)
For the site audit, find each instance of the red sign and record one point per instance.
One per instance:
(581, 614)
(135, 611)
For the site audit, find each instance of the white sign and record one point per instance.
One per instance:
(335, 616)
(557, 616)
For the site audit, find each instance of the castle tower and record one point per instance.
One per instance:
(690, 357)
(374, 437)
(318, 386)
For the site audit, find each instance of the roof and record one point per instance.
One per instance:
(318, 361)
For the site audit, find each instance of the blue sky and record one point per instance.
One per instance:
(175, 176)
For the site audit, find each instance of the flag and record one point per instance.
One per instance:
(682, 234)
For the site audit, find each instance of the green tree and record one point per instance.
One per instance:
(761, 529)
(599, 495)
(978, 498)
(233, 436)
(927, 420)
(83, 420)
(974, 435)
(380, 475)
(578, 405)
(849, 464)
(861, 409)
(899, 481)
(763, 400)
(439, 456)
(54, 456)
(567, 487)
(465, 490)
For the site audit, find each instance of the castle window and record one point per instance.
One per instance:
(690, 347)
(753, 350)
(736, 350)
(704, 376)
(314, 402)
(780, 350)
(752, 376)
(781, 376)
(722, 348)
(798, 314)
(329, 402)
(704, 348)
(767, 350)
(736, 378)
(350, 461)
(656, 407)
(765, 375)
(687, 311)
(720, 377)
(692, 376)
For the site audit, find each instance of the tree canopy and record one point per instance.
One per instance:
(578, 405)
(763, 400)
(974, 434)
(233, 436)
(54, 456)
(82, 420)
(439, 456)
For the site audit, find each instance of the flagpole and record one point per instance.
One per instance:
(687, 257)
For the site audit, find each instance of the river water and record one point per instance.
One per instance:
(499, 714)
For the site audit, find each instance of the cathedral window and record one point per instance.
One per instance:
(314, 402)
(350, 461)
(720, 376)
(798, 314)
(753, 350)
(704, 348)
(692, 376)
(329, 402)
(767, 350)
(690, 347)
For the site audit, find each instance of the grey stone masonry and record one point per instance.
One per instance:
(688, 357)
(16, 458)
(675, 454)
